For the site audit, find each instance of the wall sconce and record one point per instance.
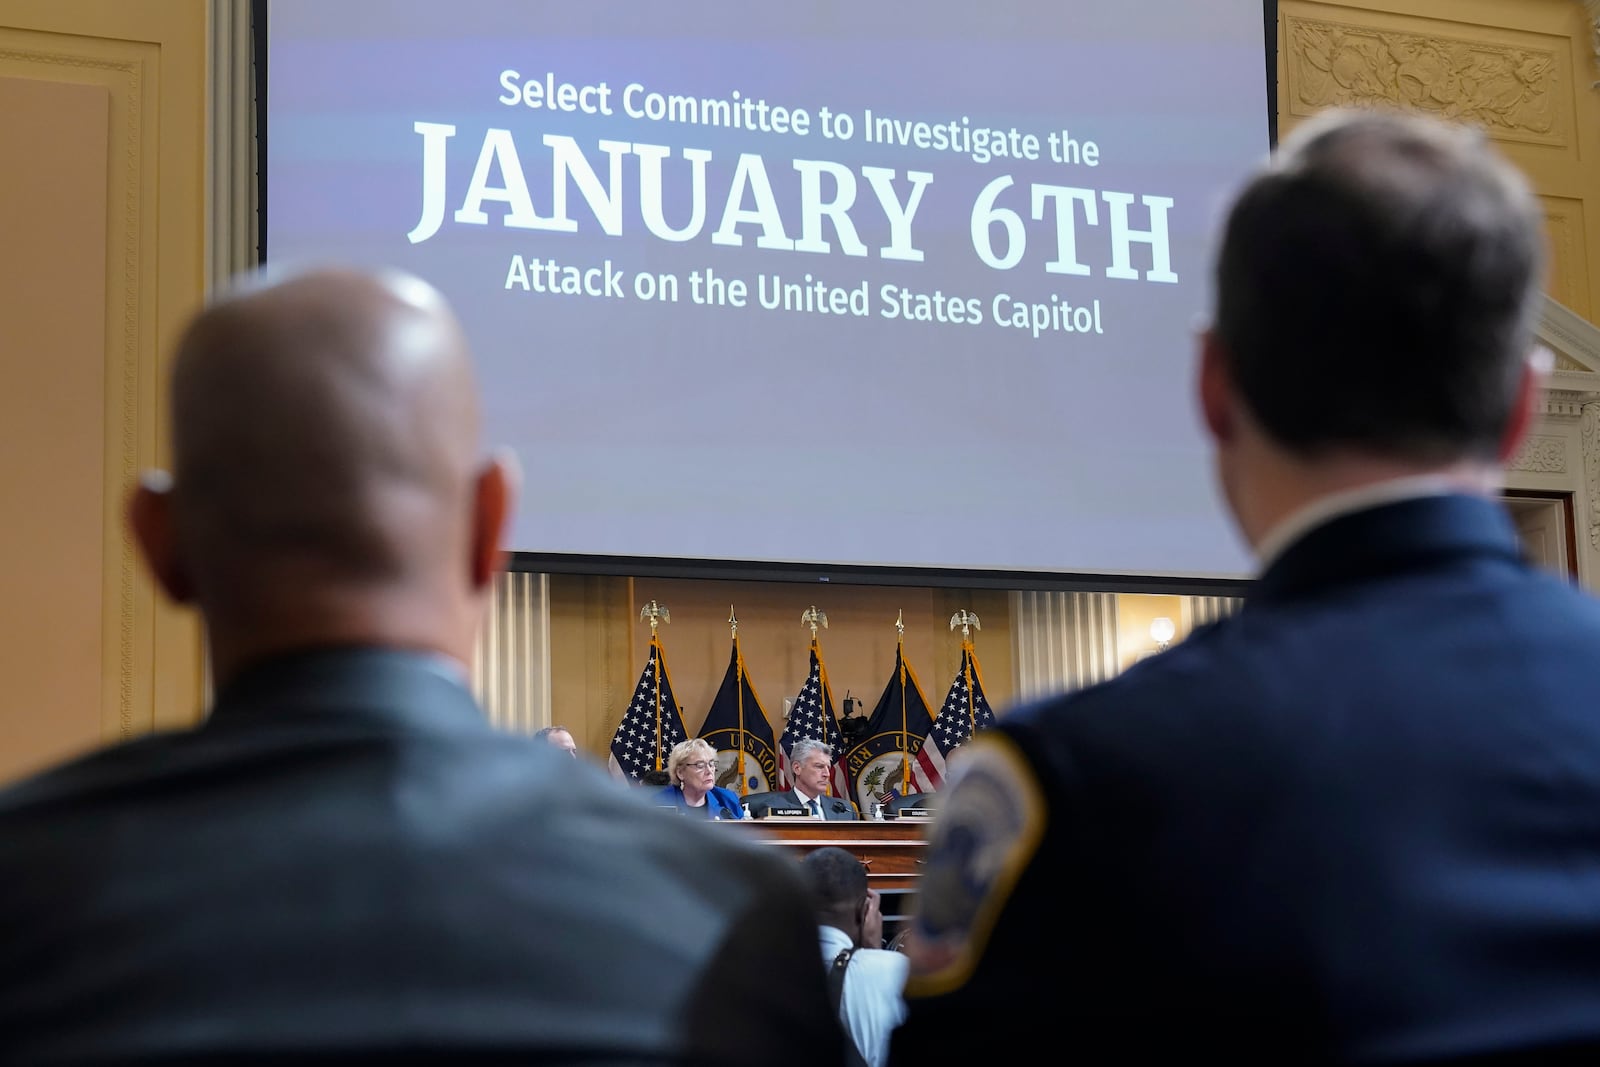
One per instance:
(1162, 631)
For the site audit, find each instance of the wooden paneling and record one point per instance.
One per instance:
(144, 61)
(52, 398)
(1565, 227)
(891, 851)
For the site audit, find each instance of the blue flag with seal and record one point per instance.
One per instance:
(882, 764)
(737, 727)
(652, 723)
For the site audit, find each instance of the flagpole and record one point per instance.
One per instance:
(967, 621)
(738, 681)
(967, 652)
(814, 618)
(657, 614)
(905, 728)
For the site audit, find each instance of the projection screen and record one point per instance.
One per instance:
(889, 284)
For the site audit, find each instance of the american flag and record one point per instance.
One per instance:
(651, 725)
(965, 708)
(812, 716)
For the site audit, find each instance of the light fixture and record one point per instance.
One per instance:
(1162, 631)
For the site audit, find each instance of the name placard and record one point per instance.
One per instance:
(788, 813)
(915, 813)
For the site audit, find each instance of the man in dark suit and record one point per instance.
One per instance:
(810, 764)
(345, 860)
(1359, 821)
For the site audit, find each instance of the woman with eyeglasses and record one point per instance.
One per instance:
(692, 767)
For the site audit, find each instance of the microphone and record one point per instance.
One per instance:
(838, 807)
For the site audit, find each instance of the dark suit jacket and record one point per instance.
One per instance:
(1358, 822)
(833, 808)
(347, 858)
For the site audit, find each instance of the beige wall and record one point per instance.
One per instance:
(102, 115)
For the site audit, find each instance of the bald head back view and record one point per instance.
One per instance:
(327, 485)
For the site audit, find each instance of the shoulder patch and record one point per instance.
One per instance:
(990, 822)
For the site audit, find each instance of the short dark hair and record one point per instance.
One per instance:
(1377, 287)
(834, 878)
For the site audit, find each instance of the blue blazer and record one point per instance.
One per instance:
(1358, 821)
(720, 803)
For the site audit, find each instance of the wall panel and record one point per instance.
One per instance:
(144, 60)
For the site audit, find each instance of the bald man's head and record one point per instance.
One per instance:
(326, 461)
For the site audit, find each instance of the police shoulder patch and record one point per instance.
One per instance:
(991, 820)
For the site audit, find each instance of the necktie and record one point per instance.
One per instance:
(816, 807)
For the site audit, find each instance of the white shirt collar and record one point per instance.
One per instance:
(1327, 508)
(835, 940)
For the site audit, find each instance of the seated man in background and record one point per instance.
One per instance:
(341, 862)
(810, 764)
(1359, 822)
(559, 737)
(864, 980)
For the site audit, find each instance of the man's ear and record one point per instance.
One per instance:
(1215, 389)
(494, 499)
(150, 517)
(1531, 380)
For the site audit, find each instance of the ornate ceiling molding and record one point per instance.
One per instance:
(1567, 403)
(1575, 342)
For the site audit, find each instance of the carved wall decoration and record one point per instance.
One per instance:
(1565, 403)
(1566, 362)
(1541, 455)
(1593, 7)
(1568, 279)
(1570, 336)
(1508, 90)
(1591, 468)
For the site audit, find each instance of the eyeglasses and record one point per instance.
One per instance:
(702, 765)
